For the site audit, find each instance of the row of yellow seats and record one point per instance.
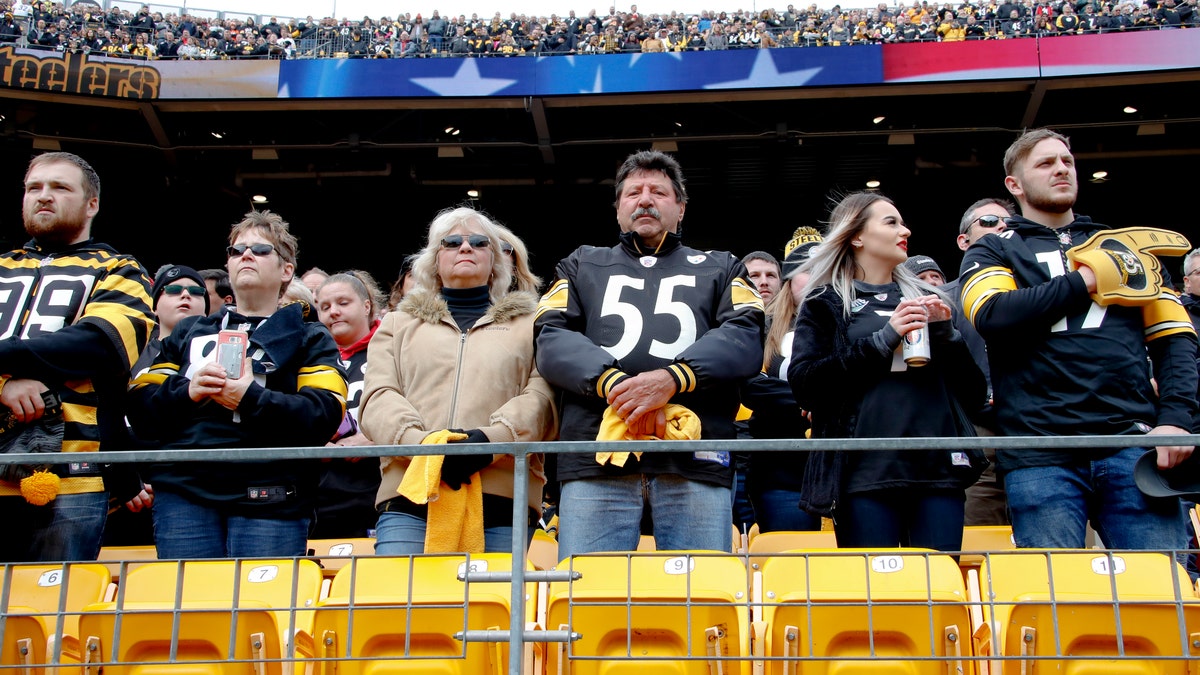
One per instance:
(333, 554)
(836, 611)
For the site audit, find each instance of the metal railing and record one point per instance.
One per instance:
(1184, 601)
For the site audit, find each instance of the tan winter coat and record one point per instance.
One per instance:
(424, 375)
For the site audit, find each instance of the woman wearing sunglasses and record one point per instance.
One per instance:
(454, 364)
(348, 303)
(847, 368)
(289, 392)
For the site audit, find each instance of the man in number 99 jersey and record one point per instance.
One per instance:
(636, 327)
(74, 315)
(1064, 365)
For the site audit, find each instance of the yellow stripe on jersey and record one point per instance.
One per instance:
(80, 446)
(684, 376)
(743, 413)
(554, 299)
(745, 295)
(155, 375)
(85, 414)
(68, 486)
(983, 286)
(322, 377)
(607, 380)
(1166, 316)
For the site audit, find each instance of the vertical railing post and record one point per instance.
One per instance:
(520, 533)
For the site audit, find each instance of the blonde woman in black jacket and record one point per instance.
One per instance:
(847, 369)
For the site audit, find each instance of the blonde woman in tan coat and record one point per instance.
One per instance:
(454, 364)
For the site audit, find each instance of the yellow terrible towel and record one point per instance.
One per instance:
(454, 522)
(682, 425)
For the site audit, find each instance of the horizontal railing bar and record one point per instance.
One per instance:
(529, 636)
(747, 445)
(531, 576)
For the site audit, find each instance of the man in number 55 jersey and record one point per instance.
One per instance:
(1068, 347)
(651, 338)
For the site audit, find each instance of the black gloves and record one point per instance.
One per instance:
(457, 469)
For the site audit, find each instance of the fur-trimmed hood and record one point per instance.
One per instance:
(431, 307)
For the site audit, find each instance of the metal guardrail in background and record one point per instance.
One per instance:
(518, 577)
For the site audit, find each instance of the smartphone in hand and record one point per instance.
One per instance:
(231, 351)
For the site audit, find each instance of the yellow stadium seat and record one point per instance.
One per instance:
(664, 613)
(35, 595)
(766, 543)
(401, 614)
(543, 550)
(854, 612)
(133, 557)
(228, 616)
(333, 554)
(980, 539)
(1084, 606)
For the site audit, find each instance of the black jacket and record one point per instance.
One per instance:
(835, 374)
(298, 399)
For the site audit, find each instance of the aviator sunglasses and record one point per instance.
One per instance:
(259, 250)
(475, 241)
(176, 289)
(985, 221)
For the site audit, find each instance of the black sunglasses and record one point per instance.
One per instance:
(259, 250)
(176, 289)
(475, 240)
(506, 248)
(986, 221)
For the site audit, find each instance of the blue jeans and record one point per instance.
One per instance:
(779, 511)
(910, 517)
(399, 533)
(1051, 506)
(69, 528)
(186, 529)
(605, 514)
(743, 505)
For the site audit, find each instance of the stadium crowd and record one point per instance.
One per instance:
(1057, 326)
(84, 27)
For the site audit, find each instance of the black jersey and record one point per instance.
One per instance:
(624, 309)
(297, 399)
(1062, 364)
(75, 319)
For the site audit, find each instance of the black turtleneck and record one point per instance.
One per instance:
(467, 305)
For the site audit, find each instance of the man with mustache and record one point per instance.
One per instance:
(74, 314)
(647, 339)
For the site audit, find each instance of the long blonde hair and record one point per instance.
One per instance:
(834, 265)
(782, 312)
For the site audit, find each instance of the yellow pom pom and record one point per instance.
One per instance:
(41, 488)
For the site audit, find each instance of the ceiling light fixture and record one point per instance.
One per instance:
(217, 135)
(473, 194)
(259, 199)
(1129, 109)
(449, 129)
(879, 119)
(872, 184)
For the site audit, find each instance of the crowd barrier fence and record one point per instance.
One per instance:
(909, 610)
